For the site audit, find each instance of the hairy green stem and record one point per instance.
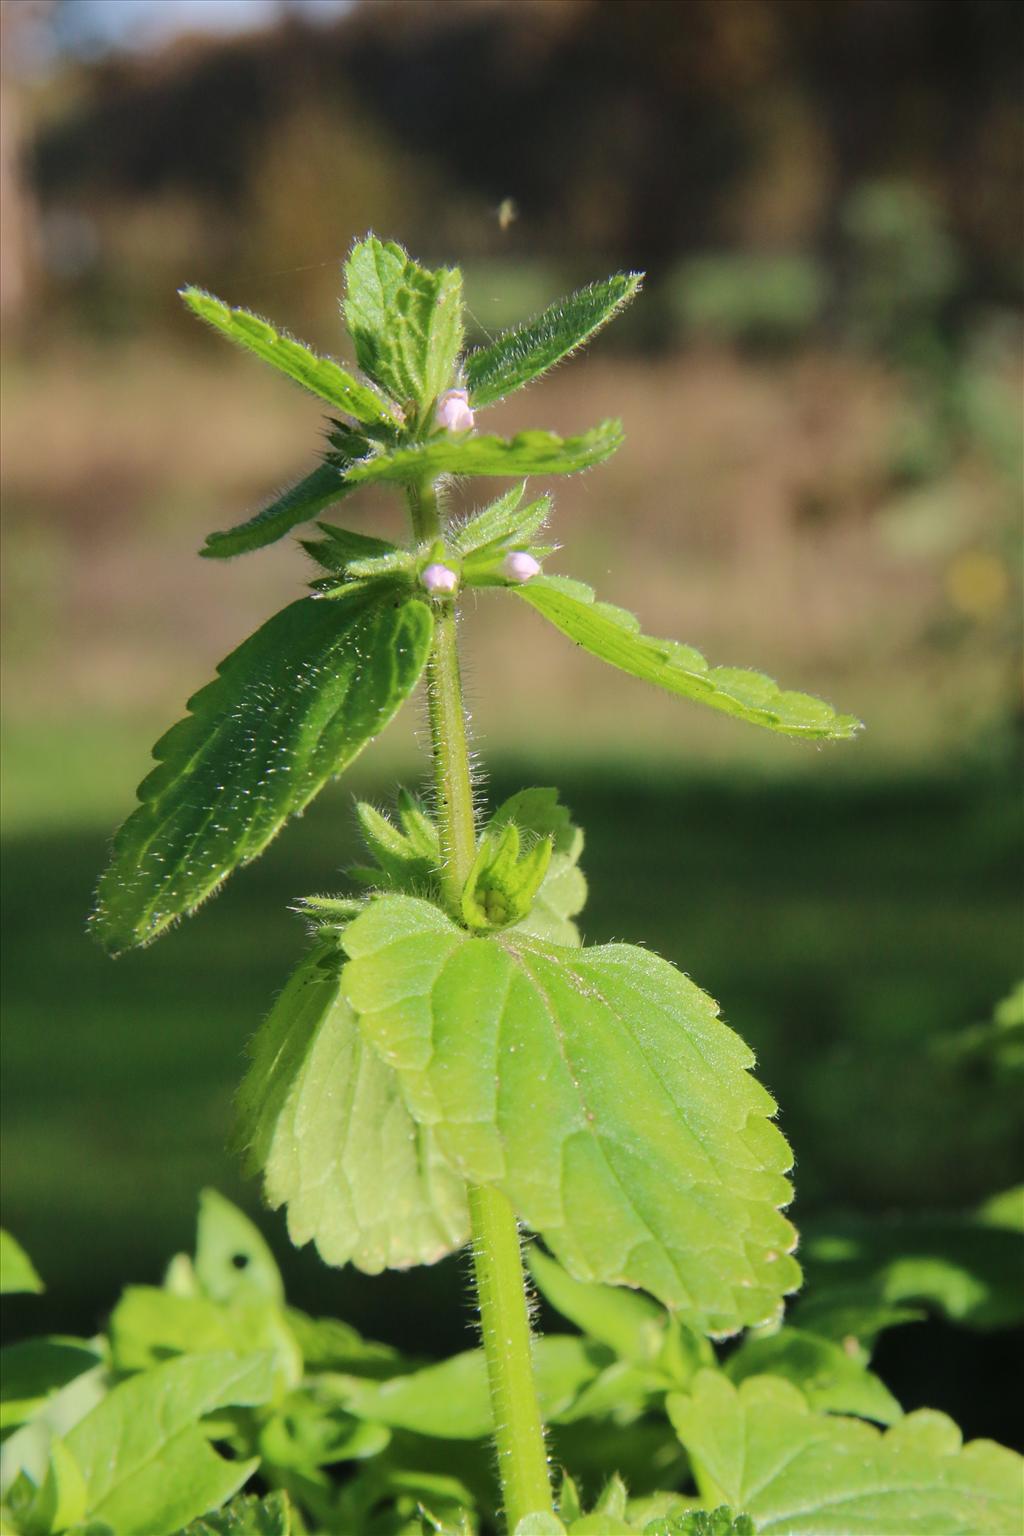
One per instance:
(497, 1258)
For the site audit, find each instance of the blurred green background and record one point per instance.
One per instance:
(822, 393)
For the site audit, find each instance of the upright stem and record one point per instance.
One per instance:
(497, 1258)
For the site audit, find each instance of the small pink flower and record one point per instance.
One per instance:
(519, 566)
(453, 411)
(439, 579)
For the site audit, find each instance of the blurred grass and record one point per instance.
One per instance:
(844, 925)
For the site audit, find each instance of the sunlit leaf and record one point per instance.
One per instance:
(598, 1089)
(614, 636)
(322, 376)
(797, 1472)
(290, 708)
(563, 891)
(406, 321)
(528, 453)
(144, 1459)
(17, 1272)
(233, 1260)
(526, 351)
(301, 504)
(505, 521)
(321, 1117)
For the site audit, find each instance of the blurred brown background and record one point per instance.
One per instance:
(822, 391)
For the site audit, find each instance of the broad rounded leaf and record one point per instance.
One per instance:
(321, 1117)
(322, 376)
(292, 706)
(761, 1448)
(614, 636)
(528, 453)
(526, 351)
(598, 1089)
(830, 1376)
(304, 501)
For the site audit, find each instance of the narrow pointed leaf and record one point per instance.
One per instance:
(322, 376)
(320, 1116)
(290, 708)
(144, 1458)
(406, 321)
(528, 453)
(313, 495)
(563, 892)
(796, 1472)
(598, 1089)
(505, 522)
(340, 546)
(525, 352)
(17, 1272)
(614, 636)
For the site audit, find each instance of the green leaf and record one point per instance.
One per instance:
(829, 1376)
(150, 1325)
(321, 1116)
(406, 322)
(143, 1455)
(522, 354)
(289, 709)
(503, 879)
(247, 1516)
(233, 1260)
(308, 1431)
(613, 635)
(563, 891)
(319, 490)
(339, 547)
(528, 453)
(702, 1522)
(598, 1089)
(959, 1266)
(452, 1401)
(60, 1501)
(32, 1370)
(504, 522)
(855, 1324)
(762, 1449)
(25, 1454)
(403, 862)
(17, 1272)
(322, 376)
(327, 1344)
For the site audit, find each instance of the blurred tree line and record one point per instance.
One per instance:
(627, 132)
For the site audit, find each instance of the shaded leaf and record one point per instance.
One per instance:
(829, 1376)
(629, 1323)
(289, 709)
(406, 321)
(763, 1450)
(313, 495)
(150, 1325)
(599, 1091)
(322, 376)
(17, 1272)
(321, 1117)
(32, 1370)
(247, 1516)
(142, 1453)
(339, 547)
(959, 1266)
(452, 1400)
(528, 453)
(526, 351)
(613, 635)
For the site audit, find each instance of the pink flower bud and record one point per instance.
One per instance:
(438, 580)
(453, 411)
(519, 566)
